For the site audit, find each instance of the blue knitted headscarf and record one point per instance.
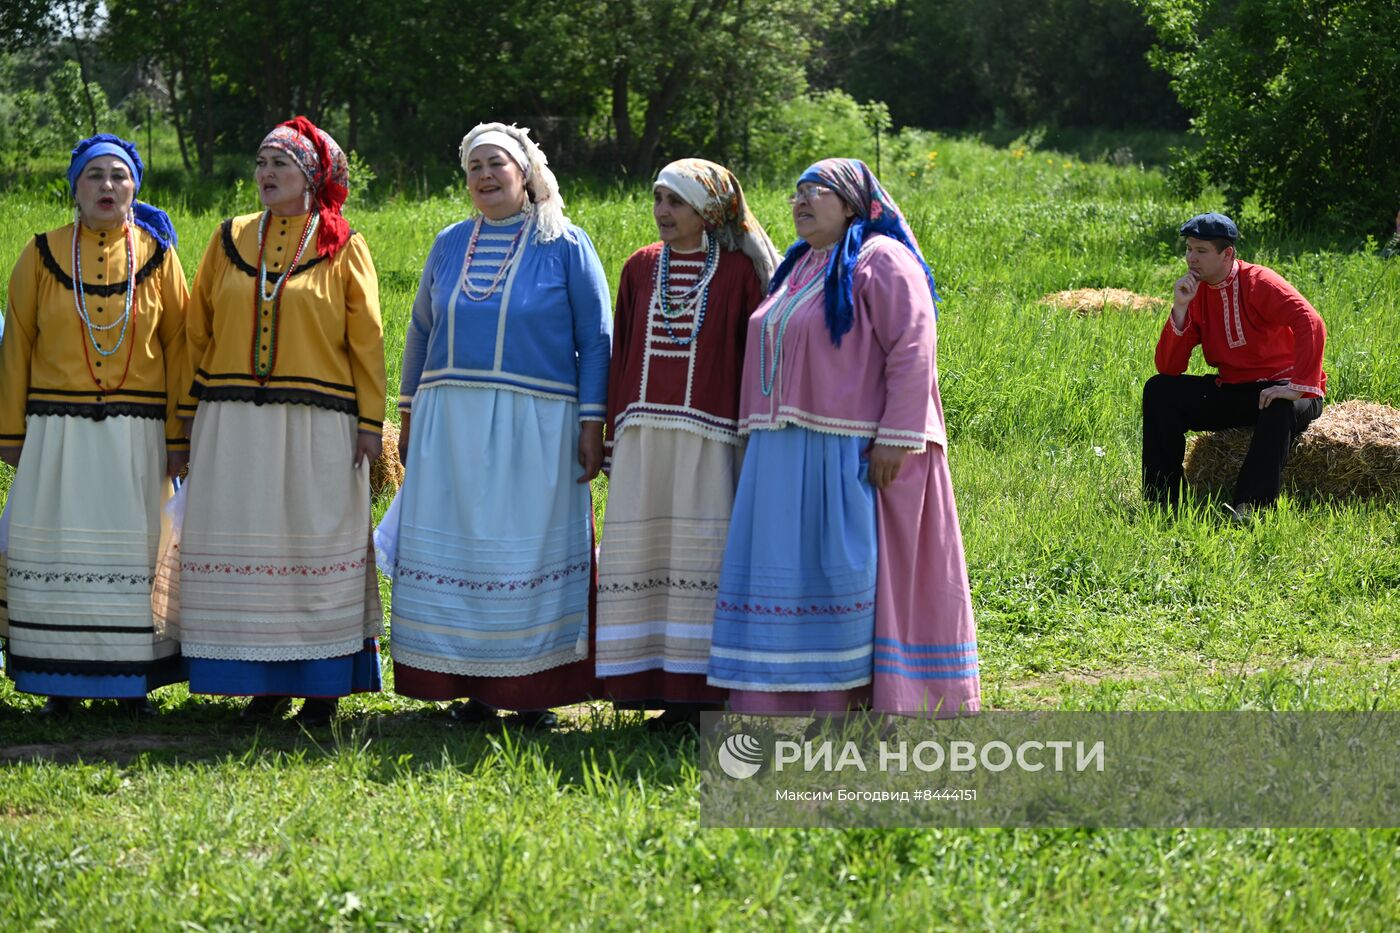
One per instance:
(146, 216)
(875, 213)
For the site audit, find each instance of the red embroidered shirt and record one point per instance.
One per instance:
(1252, 327)
(658, 381)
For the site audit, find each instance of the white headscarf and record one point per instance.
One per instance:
(548, 207)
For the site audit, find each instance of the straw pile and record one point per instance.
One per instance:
(387, 471)
(1352, 450)
(1087, 302)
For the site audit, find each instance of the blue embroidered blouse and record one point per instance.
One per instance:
(544, 331)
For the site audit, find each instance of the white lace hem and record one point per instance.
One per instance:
(274, 653)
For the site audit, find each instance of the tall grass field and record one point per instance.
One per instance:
(1085, 600)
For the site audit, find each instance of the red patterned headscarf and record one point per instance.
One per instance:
(327, 173)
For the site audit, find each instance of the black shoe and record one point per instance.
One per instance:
(56, 707)
(316, 712)
(266, 709)
(472, 713)
(536, 720)
(676, 719)
(138, 707)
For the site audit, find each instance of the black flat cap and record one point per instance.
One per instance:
(1211, 226)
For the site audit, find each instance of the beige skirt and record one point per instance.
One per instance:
(85, 524)
(275, 561)
(669, 499)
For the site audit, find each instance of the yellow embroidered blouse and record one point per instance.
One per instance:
(324, 344)
(52, 363)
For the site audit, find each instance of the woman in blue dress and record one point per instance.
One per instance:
(503, 397)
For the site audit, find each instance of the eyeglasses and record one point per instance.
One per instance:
(809, 193)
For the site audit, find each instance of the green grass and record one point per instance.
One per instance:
(1084, 598)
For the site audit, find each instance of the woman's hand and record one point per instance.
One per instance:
(10, 454)
(367, 447)
(175, 462)
(885, 462)
(404, 419)
(590, 450)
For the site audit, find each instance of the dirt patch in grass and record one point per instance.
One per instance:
(119, 749)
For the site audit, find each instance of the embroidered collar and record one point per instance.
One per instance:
(247, 268)
(106, 290)
(1229, 279)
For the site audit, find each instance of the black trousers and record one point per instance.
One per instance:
(1173, 405)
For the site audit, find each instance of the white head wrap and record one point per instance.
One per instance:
(716, 195)
(548, 207)
(502, 141)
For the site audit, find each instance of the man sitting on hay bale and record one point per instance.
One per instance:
(1265, 340)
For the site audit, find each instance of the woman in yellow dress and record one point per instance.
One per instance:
(92, 358)
(277, 587)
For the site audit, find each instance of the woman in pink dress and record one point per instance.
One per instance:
(844, 583)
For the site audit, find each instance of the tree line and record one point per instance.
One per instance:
(1294, 102)
(621, 85)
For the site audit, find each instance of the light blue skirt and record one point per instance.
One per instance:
(796, 603)
(494, 555)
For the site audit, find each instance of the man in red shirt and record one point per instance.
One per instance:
(1266, 342)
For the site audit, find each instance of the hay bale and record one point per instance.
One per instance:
(1351, 451)
(387, 471)
(1087, 302)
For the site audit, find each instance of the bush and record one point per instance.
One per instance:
(1295, 102)
(811, 127)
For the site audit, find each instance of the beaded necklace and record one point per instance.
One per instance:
(80, 305)
(794, 296)
(513, 254)
(262, 372)
(694, 299)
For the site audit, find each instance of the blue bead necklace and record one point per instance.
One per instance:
(697, 297)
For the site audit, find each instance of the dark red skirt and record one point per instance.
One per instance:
(655, 689)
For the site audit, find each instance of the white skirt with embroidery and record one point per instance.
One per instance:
(275, 556)
(85, 522)
(494, 560)
(669, 500)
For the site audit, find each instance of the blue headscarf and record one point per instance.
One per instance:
(876, 213)
(148, 217)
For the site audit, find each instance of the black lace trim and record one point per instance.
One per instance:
(167, 669)
(213, 377)
(231, 250)
(96, 411)
(266, 395)
(41, 241)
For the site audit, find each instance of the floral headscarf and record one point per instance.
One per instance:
(876, 212)
(327, 173)
(715, 194)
